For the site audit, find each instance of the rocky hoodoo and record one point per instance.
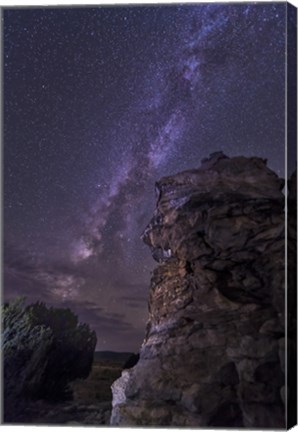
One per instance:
(213, 354)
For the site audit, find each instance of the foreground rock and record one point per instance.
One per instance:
(214, 349)
(41, 412)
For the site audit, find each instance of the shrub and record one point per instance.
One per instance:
(43, 350)
(25, 351)
(71, 354)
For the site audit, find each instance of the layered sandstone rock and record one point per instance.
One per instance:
(291, 315)
(213, 354)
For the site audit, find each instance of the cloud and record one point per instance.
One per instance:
(65, 285)
(30, 275)
(112, 329)
(135, 301)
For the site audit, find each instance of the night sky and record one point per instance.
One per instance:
(101, 102)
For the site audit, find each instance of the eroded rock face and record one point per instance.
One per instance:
(213, 354)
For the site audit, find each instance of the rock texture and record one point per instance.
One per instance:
(292, 302)
(213, 354)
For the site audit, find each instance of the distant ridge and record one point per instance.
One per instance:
(112, 356)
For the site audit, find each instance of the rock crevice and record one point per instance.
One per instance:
(213, 354)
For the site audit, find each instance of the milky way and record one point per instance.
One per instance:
(99, 103)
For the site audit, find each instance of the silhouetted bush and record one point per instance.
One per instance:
(44, 349)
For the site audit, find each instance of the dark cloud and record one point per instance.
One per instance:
(135, 301)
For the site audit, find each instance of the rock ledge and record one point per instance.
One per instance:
(213, 354)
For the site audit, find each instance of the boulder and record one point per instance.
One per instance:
(212, 352)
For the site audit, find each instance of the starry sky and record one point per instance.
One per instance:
(101, 102)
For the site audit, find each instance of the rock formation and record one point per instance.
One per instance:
(213, 354)
(292, 302)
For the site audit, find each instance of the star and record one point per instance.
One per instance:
(100, 103)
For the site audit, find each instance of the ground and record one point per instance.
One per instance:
(91, 404)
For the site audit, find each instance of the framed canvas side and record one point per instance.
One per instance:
(291, 223)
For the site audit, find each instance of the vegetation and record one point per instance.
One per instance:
(97, 388)
(44, 349)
